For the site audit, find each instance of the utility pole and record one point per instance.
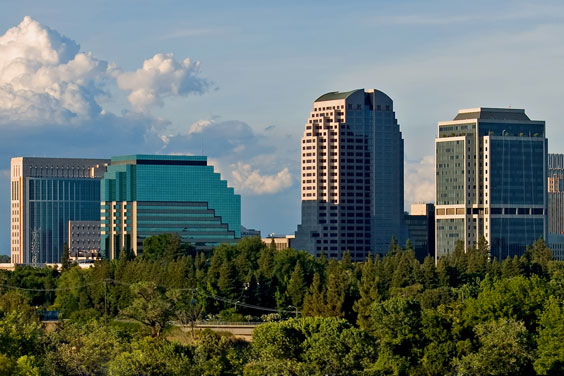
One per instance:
(106, 297)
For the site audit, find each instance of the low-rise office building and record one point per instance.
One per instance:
(84, 240)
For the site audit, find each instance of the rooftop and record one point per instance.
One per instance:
(484, 113)
(335, 95)
(148, 159)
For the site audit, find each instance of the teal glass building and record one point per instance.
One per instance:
(145, 195)
(491, 181)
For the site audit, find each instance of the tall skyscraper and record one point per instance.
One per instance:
(351, 176)
(555, 182)
(47, 193)
(144, 195)
(491, 168)
(556, 193)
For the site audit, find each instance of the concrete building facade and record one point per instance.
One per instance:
(145, 195)
(351, 176)
(84, 240)
(45, 194)
(280, 242)
(491, 169)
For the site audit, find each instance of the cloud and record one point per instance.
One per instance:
(199, 126)
(250, 181)
(44, 78)
(231, 139)
(4, 173)
(161, 76)
(420, 180)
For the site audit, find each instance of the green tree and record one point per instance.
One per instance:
(65, 258)
(334, 347)
(517, 298)
(216, 355)
(40, 283)
(81, 349)
(19, 335)
(15, 301)
(550, 352)
(478, 258)
(72, 294)
(187, 310)
(165, 246)
(296, 287)
(311, 345)
(228, 284)
(397, 325)
(503, 349)
(440, 342)
(150, 307)
(314, 301)
(335, 291)
(537, 257)
(152, 356)
(511, 267)
(429, 273)
(369, 294)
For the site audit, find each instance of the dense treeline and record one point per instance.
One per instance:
(466, 315)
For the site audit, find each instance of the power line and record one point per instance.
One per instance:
(192, 289)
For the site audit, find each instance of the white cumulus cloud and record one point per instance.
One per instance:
(420, 180)
(250, 181)
(44, 77)
(161, 76)
(199, 126)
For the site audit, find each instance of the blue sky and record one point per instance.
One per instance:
(260, 67)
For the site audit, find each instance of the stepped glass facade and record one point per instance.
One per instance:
(491, 168)
(145, 195)
(351, 176)
(47, 193)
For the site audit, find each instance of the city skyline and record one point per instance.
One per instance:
(249, 85)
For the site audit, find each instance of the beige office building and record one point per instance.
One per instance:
(352, 176)
(45, 194)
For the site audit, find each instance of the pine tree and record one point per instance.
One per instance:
(65, 258)
(394, 246)
(335, 292)
(314, 302)
(430, 276)
(296, 286)
(227, 282)
(368, 289)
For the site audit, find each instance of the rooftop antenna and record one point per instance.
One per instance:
(202, 141)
